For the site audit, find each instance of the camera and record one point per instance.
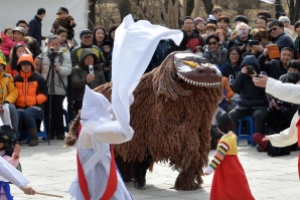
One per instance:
(253, 42)
(250, 69)
(52, 53)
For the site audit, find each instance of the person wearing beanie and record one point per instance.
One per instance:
(228, 171)
(64, 20)
(199, 25)
(288, 28)
(35, 26)
(33, 92)
(252, 101)
(240, 18)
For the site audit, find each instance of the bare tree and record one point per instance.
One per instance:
(124, 7)
(190, 4)
(91, 16)
(294, 10)
(208, 5)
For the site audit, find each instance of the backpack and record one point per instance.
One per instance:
(277, 151)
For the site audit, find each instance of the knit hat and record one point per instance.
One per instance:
(198, 20)
(284, 19)
(107, 42)
(61, 10)
(224, 121)
(85, 32)
(19, 29)
(241, 18)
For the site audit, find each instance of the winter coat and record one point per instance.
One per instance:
(35, 29)
(251, 97)
(80, 72)
(229, 71)
(284, 40)
(65, 68)
(76, 54)
(7, 44)
(32, 45)
(195, 40)
(273, 68)
(222, 55)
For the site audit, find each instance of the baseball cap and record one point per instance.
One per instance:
(86, 32)
(20, 29)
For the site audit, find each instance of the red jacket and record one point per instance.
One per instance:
(7, 44)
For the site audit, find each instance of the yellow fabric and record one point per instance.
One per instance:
(230, 139)
(8, 91)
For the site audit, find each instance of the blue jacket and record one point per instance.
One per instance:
(35, 29)
(230, 72)
(284, 40)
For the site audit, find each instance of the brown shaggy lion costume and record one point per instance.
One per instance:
(171, 116)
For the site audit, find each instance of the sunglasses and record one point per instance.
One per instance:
(213, 43)
(273, 29)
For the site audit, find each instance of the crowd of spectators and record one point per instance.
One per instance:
(30, 73)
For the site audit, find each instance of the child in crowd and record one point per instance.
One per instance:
(1, 52)
(107, 52)
(12, 157)
(198, 50)
(229, 173)
(7, 42)
(64, 20)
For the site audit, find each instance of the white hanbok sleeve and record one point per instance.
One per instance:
(284, 91)
(11, 174)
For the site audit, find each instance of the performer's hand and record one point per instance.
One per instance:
(265, 139)
(260, 81)
(28, 190)
(206, 174)
(17, 151)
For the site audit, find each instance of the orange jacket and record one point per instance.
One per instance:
(229, 92)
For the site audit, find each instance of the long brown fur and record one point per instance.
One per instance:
(171, 120)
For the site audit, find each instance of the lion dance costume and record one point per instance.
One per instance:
(171, 116)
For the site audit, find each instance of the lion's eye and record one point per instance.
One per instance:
(191, 63)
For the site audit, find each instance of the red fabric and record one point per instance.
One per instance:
(257, 138)
(112, 179)
(112, 182)
(229, 176)
(81, 177)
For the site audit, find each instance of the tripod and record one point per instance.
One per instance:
(50, 77)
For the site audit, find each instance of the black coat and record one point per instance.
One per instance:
(273, 68)
(251, 97)
(35, 29)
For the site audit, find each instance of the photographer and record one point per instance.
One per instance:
(252, 101)
(61, 68)
(279, 114)
(90, 72)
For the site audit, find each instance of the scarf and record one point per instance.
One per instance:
(217, 55)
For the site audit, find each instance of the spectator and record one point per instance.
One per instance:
(64, 20)
(262, 36)
(86, 38)
(264, 13)
(35, 26)
(107, 52)
(275, 68)
(240, 37)
(32, 90)
(65, 44)
(62, 68)
(182, 46)
(1, 53)
(216, 14)
(194, 39)
(31, 43)
(288, 29)
(223, 24)
(8, 96)
(297, 40)
(279, 114)
(7, 42)
(252, 99)
(111, 33)
(199, 25)
(279, 36)
(223, 37)
(261, 22)
(159, 55)
(17, 51)
(209, 29)
(269, 21)
(231, 68)
(240, 18)
(81, 76)
(215, 51)
(198, 50)
(99, 35)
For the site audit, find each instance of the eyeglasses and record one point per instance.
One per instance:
(273, 29)
(213, 43)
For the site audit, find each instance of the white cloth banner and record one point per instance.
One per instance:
(268, 1)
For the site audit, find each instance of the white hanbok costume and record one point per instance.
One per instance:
(105, 123)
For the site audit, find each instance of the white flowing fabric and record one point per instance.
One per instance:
(268, 1)
(9, 173)
(104, 123)
(290, 93)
